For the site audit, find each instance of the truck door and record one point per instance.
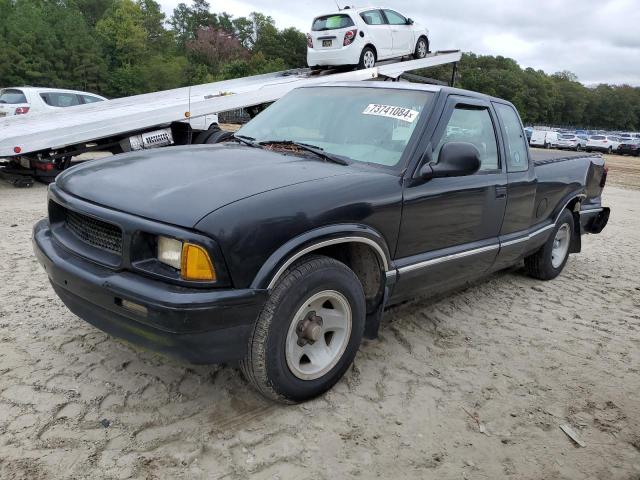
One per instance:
(521, 191)
(450, 226)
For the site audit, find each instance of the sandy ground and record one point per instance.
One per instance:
(472, 386)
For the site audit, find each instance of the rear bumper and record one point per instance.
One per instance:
(199, 325)
(349, 55)
(594, 220)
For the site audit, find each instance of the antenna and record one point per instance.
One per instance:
(338, 5)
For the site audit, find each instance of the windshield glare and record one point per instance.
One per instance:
(362, 124)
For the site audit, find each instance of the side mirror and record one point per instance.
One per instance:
(409, 21)
(457, 159)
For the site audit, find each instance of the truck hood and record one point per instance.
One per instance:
(181, 185)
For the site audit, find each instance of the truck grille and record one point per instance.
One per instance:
(94, 232)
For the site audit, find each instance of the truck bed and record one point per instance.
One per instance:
(543, 157)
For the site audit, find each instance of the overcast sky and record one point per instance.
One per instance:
(598, 40)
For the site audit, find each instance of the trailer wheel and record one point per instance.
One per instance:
(213, 135)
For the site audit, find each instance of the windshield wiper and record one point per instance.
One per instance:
(318, 151)
(250, 141)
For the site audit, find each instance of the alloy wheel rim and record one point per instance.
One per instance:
(560, 245)
(422, 49)
(318, 335)
(369, 59)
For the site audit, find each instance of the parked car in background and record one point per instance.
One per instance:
(363, 36)
(603, 143)
(544, 139)
(569, 141)
(528, 131)
(23, 100)
(630, 146)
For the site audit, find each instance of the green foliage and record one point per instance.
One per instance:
(126, 47)
(557, 99)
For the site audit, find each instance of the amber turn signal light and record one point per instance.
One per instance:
(196, 264)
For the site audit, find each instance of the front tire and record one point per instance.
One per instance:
(422, 48)
(308, 332)
(610, 150)
(367, 58)
(550, 259)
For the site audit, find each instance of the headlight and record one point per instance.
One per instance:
(192, 261)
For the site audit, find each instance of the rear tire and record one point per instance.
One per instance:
(318, 295)
(578, 148)
(367, 58)
(422, 48)
(550, 259)
(610, 150)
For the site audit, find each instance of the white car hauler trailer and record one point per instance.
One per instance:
(42, 145)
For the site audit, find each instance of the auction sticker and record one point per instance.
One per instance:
(398, 113)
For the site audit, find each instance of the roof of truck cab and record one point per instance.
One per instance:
(411, 86)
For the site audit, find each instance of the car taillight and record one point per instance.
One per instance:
(309, 41)
(349, 36)
(22, 110)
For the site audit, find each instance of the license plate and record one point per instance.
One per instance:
(3, 114)
(25, 162)
(326, 43)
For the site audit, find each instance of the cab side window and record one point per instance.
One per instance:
(473, 125)
(517, 158)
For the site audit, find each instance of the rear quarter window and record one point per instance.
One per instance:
(332, 22)
(60, 99)
(373, 17)
(12, 96)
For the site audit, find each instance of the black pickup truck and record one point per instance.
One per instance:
(280, 247)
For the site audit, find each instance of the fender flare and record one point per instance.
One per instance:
(315, 239)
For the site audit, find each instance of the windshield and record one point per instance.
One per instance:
(598, 137)
(12, 96)
(371, 125)
(332, 22)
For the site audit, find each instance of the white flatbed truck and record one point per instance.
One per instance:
(42, 145)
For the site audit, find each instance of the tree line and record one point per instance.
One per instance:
(125, 47)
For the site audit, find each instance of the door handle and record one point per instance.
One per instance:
(501, 192)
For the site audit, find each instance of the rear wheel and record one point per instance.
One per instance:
(578, 148)
(308, 332)
(213, 135)
(422, 48)
(610, 150)
(367, 58)
(549, 261)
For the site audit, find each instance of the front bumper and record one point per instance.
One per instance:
(199, 325)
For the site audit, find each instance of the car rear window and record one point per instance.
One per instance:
(12, 96)
(598, 137)
(331, 22)
(60, 99)
(567, 137)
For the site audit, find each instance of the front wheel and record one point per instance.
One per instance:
(549, 261)
(308, 332)
(367, 58)
(610, 150)
(422, 48)
(578, 148)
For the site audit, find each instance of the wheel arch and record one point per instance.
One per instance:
(572, 203)
(361, 248)
(373, 47)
